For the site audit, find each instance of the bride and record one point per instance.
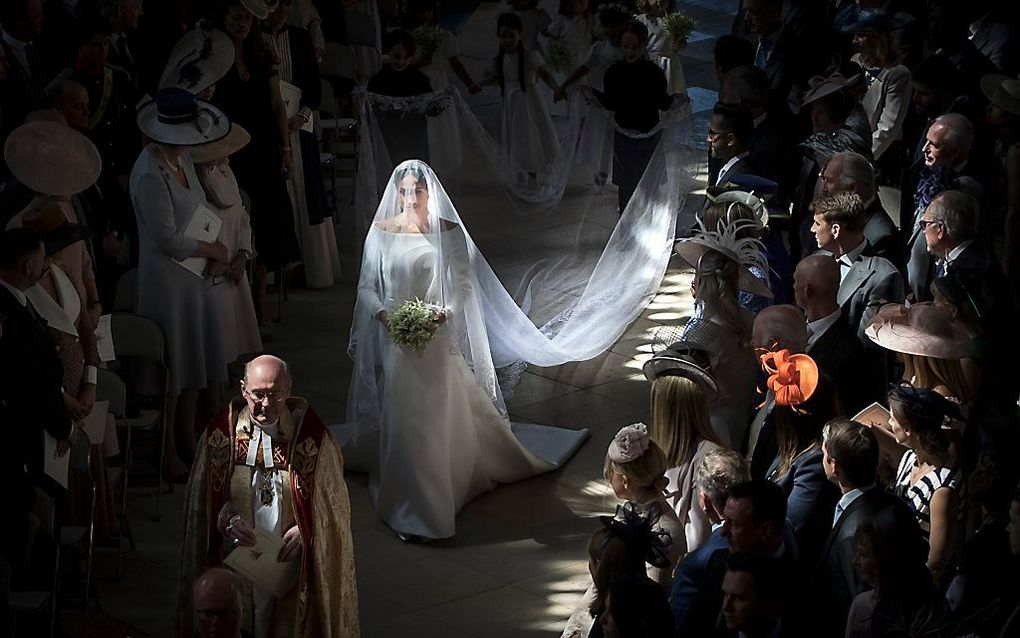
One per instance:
(433, 422)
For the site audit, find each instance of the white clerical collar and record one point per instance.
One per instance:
(18, 294)
(733, 161)
(14, 42)
(818, 327)
(262, 437)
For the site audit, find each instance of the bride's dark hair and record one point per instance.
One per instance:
(510, 21)
(413, 171)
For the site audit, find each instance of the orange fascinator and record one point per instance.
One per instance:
(793, 378)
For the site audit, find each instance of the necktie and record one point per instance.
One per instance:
(942, 269)
(761, 58)
(839, 512)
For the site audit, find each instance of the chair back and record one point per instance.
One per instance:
(137, 336)
(110, 387)
(126, 294)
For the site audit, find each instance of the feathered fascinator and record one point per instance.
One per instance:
(793, 378)
(639, 532)
(629, 443)
(725, 239)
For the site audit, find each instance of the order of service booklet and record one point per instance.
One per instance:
(259, 564)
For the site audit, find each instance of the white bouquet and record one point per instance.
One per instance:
(678, 25)
(412, 325)
(428, 37)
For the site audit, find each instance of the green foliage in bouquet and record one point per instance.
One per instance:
(557, 56)
(678, 25)
(413, 324)
(428, 38)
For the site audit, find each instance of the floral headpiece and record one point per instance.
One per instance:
(629, 443)
(614, 8)
(638, 531)
(793, 378)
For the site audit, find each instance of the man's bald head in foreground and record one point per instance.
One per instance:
(219, 604)
(780, 327)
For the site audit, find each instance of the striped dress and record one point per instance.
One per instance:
(918, 495)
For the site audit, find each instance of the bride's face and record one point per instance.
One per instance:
(414, 197)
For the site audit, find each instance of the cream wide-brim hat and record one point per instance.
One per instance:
(1003, 91)
(52, 159)
(683, 359)
(234, 141)
(822, 86)
(922, 329)
(177, 118)
(200, 59)
(258, 8)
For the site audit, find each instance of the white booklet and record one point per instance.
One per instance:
(259, 564)
(56, 467)
(292, 98)
(874, 415)
(104, 339)
(204, 226)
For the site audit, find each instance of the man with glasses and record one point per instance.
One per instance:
(729, 140)
(219, 604)
(267, 466)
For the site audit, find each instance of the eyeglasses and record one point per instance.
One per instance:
(925, 223)
(262, 396)
(714, 134)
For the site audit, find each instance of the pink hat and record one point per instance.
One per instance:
(922, 329)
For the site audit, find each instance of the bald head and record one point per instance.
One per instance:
(219, 603)
(266, 386)
(780, 327)
(815, 284)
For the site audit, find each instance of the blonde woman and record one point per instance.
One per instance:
(682, 386)
(636, 470)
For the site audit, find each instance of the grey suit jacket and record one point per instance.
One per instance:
(871, 282)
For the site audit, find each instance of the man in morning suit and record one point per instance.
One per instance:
(729, 140)
(850, 459)
(865, 282)
(31, 399)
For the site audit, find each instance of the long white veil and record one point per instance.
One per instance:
(586, 299)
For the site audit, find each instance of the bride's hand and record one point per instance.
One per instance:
(440, 317)
(383, 318)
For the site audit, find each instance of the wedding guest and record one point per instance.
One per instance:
(751, 595)
(23, 22)
(635, 468)
(797, 468)
(928, 477)
(729, 208)
(851, 462)
(166, 194)
(635, 91)
(682, 385)
(249, 94)
(781, 51)
(831, 341)
(729, 137)
(888, 96)
(1003, 117)
(535, 20)
(73, 333)
(865, 281)
(30, 392)
(294, 54)
(853, 173)
(219, 604)
(71, 100)
(636, 608)
(124, 17)
(901, 593)
(949, 35)
(717, 473)
(729, 52)
(232, 295)
(723, 328)
(775, 328)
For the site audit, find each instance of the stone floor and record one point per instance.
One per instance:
(517, 565)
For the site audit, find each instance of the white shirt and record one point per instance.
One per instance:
(818, 327)
(18, 49)
(18, 294)
(730, 164)
(954, 253)
(265, 517)
(846, 500)
(847, 261)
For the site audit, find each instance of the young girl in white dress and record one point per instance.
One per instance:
(526, 132)
(535, 21)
